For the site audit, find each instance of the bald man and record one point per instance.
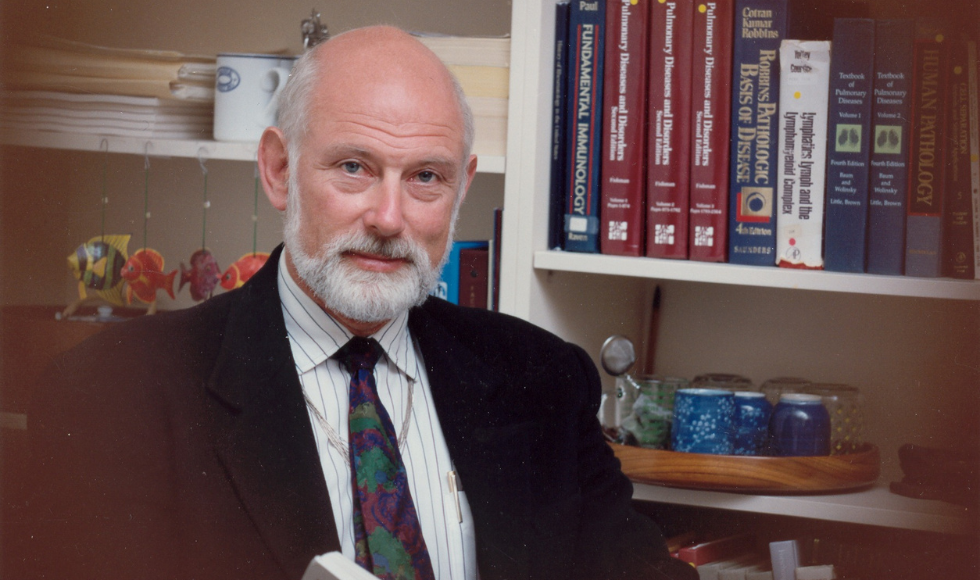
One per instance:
(222, 448)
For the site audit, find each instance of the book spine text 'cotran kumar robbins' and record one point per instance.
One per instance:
(760, 26)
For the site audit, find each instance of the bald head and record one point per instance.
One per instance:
(369, 164)
(383, 62)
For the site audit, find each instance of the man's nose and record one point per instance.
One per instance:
(385, 215)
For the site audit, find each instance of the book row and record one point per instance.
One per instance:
(471, 273)
(695, 129)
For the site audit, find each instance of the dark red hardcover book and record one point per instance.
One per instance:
(711, 88)
(957, 253)
(624, 128)
(924, 210)
(669, 128)
(474, 277)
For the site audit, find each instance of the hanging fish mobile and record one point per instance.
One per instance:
(244, 268)
(203, 274)
(144, 275)
(97, 265)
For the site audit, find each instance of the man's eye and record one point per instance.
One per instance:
(351, 166)
(426, 176)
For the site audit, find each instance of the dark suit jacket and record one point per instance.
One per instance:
(179, 446)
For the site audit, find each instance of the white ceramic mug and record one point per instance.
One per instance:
(246, 96)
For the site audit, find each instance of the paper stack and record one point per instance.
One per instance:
(115, 115)
(482, 66)
(64, 86)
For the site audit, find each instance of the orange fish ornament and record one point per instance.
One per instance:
(243, 269)
(144, 275)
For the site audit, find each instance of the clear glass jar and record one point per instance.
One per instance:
(845, 405)
(652, 410)
(724, 381)
(774, 388)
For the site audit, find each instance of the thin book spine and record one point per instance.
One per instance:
(974, 151)
(849, 151)
(559, 109)
(957, 249)
(586, 51)
(474, 273)
(624, 128)
(924, 209)
(803, 95)
(760, 25)
(711, 86)
(669, 135)
(891, 111)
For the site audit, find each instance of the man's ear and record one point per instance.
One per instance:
(470, 174)
(273, 160)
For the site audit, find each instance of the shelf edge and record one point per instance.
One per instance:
(691, 271)
(204, 149)
(875, 506)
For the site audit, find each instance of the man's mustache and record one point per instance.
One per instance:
(389, 248)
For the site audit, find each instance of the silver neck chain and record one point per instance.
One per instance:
(342, 447)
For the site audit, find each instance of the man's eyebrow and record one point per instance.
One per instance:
(441, 162)
(346, 150)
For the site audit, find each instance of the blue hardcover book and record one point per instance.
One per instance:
(448, 285)
(586, 52)
(556, 201)
(760, 26)
(849, 152)
(891, 111)
(927, 152)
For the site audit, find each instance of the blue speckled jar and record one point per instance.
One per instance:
(752, 414)
(703, 421)
(800, 426)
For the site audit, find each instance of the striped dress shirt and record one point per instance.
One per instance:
(314, 336)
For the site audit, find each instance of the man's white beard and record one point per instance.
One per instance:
(357, 294)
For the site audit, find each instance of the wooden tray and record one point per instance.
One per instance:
(776, 475)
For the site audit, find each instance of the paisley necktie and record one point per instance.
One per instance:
(388, 537)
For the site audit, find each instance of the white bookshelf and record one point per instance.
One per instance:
(585, 297)
(876, 506)
(200, 149)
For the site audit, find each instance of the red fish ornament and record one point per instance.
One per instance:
(144, 275)
(203, 275)
(243, 269)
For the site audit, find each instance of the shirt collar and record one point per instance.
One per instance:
(315, 336)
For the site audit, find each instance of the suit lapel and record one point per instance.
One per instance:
(262, 431)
